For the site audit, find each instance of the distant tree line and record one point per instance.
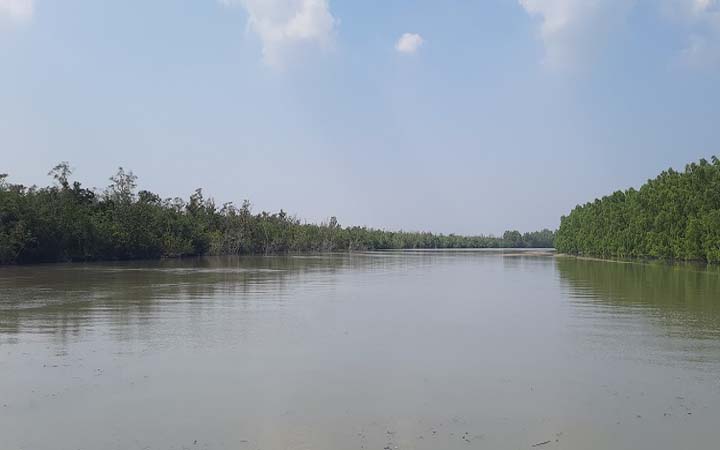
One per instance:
(67, 222)
(675, 216)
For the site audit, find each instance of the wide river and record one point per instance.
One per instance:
(389, 350)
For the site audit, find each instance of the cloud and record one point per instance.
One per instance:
(700, 6)
(574, 30)
(409, 43)
(19, 10)
(284, 24)
(701, 21)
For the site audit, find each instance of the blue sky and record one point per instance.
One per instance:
(467, 116)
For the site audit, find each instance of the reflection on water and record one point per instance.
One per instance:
(63, 298)
(419, 350)
(666, 313)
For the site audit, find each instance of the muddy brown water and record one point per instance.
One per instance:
(388, 350)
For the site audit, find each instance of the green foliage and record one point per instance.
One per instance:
(675, 216)
(66, 222)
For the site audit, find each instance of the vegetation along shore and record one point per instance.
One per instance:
(675, 216)
(67, 222)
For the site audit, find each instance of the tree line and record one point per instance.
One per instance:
(68, 222)
(674, 216)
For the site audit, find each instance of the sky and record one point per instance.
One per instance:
(460, 116)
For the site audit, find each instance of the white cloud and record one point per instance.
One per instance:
(19, 10)
(701, 21)
(283, 24)
(409, 43)
(573, 30)
(701, 6)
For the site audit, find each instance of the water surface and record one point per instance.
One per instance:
(408, 350)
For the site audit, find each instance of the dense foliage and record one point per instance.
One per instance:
(674, 216)
(67, 222)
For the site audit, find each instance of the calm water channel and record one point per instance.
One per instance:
(398, 350)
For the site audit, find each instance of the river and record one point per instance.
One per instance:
(386, 350)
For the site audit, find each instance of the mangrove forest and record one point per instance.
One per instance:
(675, 216)
(68, 222)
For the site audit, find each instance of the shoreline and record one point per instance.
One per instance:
(639, 260)
(506, 252)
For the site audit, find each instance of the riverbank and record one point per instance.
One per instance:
(643, 260)
(506, 252)
(67, 222)
(674, 217)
